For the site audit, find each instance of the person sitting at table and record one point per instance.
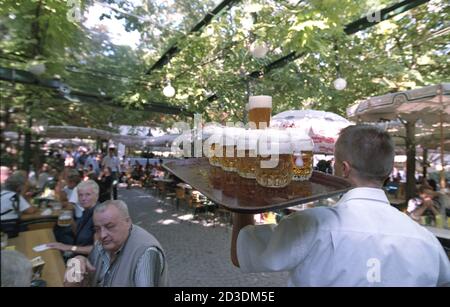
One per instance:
(83, 231)
(16, 269)
(428, 203)
(361, 241)
(4, 174)
(69, 183)
(12, 201)
(66, 188)
(124, 255)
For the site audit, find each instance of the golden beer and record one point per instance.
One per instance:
(65, 219)
(303, 165)
(275, 164)
(229, 160)
(303, 154)
(214, 158)
(247, 154)
(260, 110)
(213, 146)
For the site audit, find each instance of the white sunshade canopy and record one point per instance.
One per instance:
(323, 127)
(425, 104)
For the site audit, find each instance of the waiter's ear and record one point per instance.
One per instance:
(345, 169)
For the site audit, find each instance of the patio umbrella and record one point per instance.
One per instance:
(428, 106)
(323, 127)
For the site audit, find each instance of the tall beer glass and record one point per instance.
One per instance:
(247, 154)
(260, 110)
(303, 154)
(275, 164)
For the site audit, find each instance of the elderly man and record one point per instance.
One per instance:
(125, 255)
(16, 269)
(88, 192)
(362, 241)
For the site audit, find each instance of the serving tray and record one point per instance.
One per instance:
(242, 195)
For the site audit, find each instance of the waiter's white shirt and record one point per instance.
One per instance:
(362, 241)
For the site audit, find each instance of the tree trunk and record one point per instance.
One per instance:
(410, 160)
(27, 142)
(425, 163)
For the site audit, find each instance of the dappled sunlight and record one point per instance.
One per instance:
(167, 222)
(160, 210)
(185, 217)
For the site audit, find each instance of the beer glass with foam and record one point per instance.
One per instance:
(231, 135)
(260, 110)
(303, 157)
(247, 158)
(275, 164)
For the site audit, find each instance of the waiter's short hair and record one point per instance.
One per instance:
(368, 149)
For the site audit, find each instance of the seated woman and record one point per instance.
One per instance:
(83, 231)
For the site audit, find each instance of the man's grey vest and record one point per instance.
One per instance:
(137, 243)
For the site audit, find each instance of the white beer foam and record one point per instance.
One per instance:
(274, 148)
(231, 135)
(275, 135)
(303, 145)
(248, 140)
(300, 140)
(259, 102)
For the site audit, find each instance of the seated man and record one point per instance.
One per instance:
(83, 232)
(124, 254)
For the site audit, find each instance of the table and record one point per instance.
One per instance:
(440, 233)
(243, 195)
(54, 268)
(38, 215)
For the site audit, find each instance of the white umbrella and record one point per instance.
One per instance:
(429, 106)
(323, 127)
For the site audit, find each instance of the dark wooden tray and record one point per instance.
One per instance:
(245, 195)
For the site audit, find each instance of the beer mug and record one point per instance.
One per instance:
(65, 218)
(229, 147)
(247, 154)
(303, 156)
(260, 110)
(275, 165)
(214, 147)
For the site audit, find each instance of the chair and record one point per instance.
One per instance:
(180, 196)
(196, 202)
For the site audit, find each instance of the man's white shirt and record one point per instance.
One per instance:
(362, 241)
